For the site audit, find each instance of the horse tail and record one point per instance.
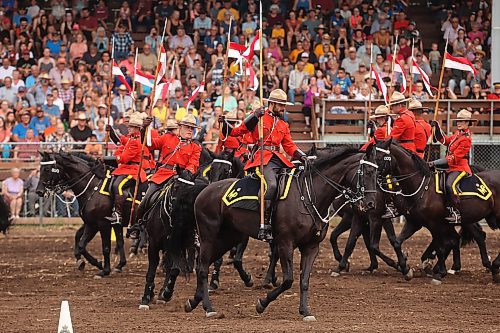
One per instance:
(5, 218)
(466, 235)
(492, 222)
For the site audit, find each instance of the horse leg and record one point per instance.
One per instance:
(106, 248)
(238, 263)
(427, 257)
(356, 228)
(446, 242)
(168, 290)
(495, 269)
(88, 234)
(134, 247)
(271, 280)
(373, 257)
(153, 261)
(286, 259)
(214, 281)
(391, 236)
(80, 263)
(120, 245)
(307, 256)
(343, 226)
(480, 237)
(457, 262)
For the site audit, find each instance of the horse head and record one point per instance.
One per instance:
(380, 154)
(368, 180)
(222, 166)
(50, 173)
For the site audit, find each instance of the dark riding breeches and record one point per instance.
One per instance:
(270, 171)
(450, 178)
(152, 188)
(119, 188)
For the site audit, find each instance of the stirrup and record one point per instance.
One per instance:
(390, 212)
(265, 233)
(133, 231)
(454, 217)
(114, 218)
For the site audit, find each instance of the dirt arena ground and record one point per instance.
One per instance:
(37, 272)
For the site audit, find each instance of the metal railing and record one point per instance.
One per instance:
(354, 121)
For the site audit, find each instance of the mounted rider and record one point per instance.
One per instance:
(378, 125)
(457, 158)
(403, 129)
(227, 142)
(276, 134)
(422, 129)
(128, 156)
(176, 151)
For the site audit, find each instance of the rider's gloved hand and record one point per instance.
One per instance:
(433, 123)
(259, 112)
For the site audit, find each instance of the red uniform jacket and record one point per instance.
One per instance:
(229, 142)
(403, 129)
(380, 134)
(128, 156)
(246, 140)
(174, 152)
(276, 134)
(422, 134)
(148, 162)
(459, 145)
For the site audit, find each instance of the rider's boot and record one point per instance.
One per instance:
(453, 205)
(265, 231)
(391, 211)
(116, 216)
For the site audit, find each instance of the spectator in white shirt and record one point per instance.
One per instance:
(351, 63)
(451, 33)
(295, 81)
(201, 26)
(6, 69)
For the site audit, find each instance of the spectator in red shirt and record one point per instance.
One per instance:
(401, 22)
(404, 49)
(88, 24)
(101, 12)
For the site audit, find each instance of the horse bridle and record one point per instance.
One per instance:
(62, 186)
(388, 160)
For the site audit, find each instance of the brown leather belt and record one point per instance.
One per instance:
(271, 148)
(404, 141)
(420, 150)
(132, 163)
(168, 166)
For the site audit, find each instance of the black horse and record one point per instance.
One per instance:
(170, 225)
(424, 207)
(61, 171)
(301, 220)
(5, 217)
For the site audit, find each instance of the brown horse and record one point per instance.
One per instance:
(301, 220)
(424, 207)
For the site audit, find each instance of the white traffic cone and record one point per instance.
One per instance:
(65, 325)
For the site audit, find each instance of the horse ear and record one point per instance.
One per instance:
(389, 142)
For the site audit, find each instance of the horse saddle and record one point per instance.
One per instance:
(127, 191)
(244, 192)
(465, 185)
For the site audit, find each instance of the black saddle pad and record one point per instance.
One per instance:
(464, 185)
(244, 193)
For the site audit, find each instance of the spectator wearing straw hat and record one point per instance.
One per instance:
(81, 132)
(42, 89)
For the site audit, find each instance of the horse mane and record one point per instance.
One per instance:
(419, 163)
(333, 155)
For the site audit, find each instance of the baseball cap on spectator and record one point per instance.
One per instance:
(21, 89)
(122, 87)
(44, 76)
(24, 113)
(412, 23)
(65, 80)
(326, 37)
(102, 105)
(76, 26)
(352, 49)
(371, 7)
(192, 76)
(304, 27)
(131, 54)
(207, 100)
(274, 7)
(496, 85)
(318, 6)
(337, 10)
(305, 55)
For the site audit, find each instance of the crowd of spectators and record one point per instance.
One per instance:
(57, 60)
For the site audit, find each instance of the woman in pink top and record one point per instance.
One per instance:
(12, 191)
(311, 91)
(77, 48)
(274, 50)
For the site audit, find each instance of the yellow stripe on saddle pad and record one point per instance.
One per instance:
(206, 170)
(104, 190)
(480, 190)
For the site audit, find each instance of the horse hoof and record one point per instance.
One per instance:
(214, 285)
(131, 255)
(453, 272)
(309, 318)
(335, 274)
(259, 307)
(210, 314)
(117, 270)
(188, 307)
(409, 275)
(436, 282)
(249, 283)
(368, 271)
(97, 277)
(143, 307)
(80, 264)
(160, 301)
